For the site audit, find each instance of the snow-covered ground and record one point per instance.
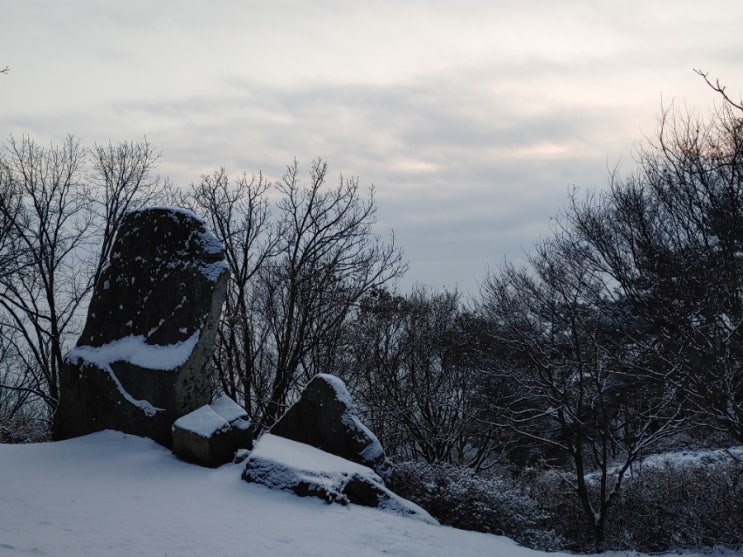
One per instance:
(698, 457)
(110, 494)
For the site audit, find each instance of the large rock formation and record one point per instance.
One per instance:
(142, 359)
(324, 418)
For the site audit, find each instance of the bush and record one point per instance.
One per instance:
(679, 507)
(459, 497)
(23, 429)
(660, 508)
(560, 502)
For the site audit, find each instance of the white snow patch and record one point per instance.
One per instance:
(203, 421)
(134, 350)
(220, 415)
(339, 387)
(281, 463)
(212, 271)
(228, 408)
(374, 450)
(698, 457)
(683, 458)
(306, 458)
(211, 244)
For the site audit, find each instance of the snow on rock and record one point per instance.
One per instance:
(324, 417)
(203, 421)
(283, 464)
(211, 435)
(229, 409)
(134, 350)
(338, 386)
(142, 359)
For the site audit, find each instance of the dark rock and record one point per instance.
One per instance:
(283, 464)
(324, 418)
(363, 491)
(142, 359)
(211, 435)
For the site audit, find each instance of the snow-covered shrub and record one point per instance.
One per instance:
(697, 505)
(681, 506)
(459, 497)
(22, 428)
(559, 500)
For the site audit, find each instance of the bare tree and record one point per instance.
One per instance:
(671, 238)
(410, 370)
(327, 258)
(238, 213)
(721, 89)
(10, 203)
(56, 205)
(582, 386)
(122, 178)
(51, 227)
(299, 265)
(12, 395)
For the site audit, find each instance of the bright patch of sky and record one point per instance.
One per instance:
(473, 119)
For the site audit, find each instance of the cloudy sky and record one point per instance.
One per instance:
(473, 119)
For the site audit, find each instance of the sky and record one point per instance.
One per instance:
(472, 119)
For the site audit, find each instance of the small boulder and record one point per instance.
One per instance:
(283, 464)
(324, 418)
(211, 435)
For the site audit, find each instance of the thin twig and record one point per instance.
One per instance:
(719, 88)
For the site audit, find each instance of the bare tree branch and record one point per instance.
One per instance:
(716, 86)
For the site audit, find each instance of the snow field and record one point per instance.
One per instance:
(111, 494)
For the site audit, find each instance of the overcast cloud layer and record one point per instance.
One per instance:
(473, 119)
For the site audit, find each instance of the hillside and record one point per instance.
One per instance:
(112, 494)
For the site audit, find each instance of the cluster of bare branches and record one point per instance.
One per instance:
(58, 209)
(627, 325)
(412, 367)
(299, 266)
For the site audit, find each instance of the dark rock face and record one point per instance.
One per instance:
(324, 418)
(142, 359)
(211, 435)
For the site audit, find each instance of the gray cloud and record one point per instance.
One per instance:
(472, 120)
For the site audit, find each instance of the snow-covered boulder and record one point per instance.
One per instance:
(324, 418)
(142, 359)
(283, 464)
(211, 435)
